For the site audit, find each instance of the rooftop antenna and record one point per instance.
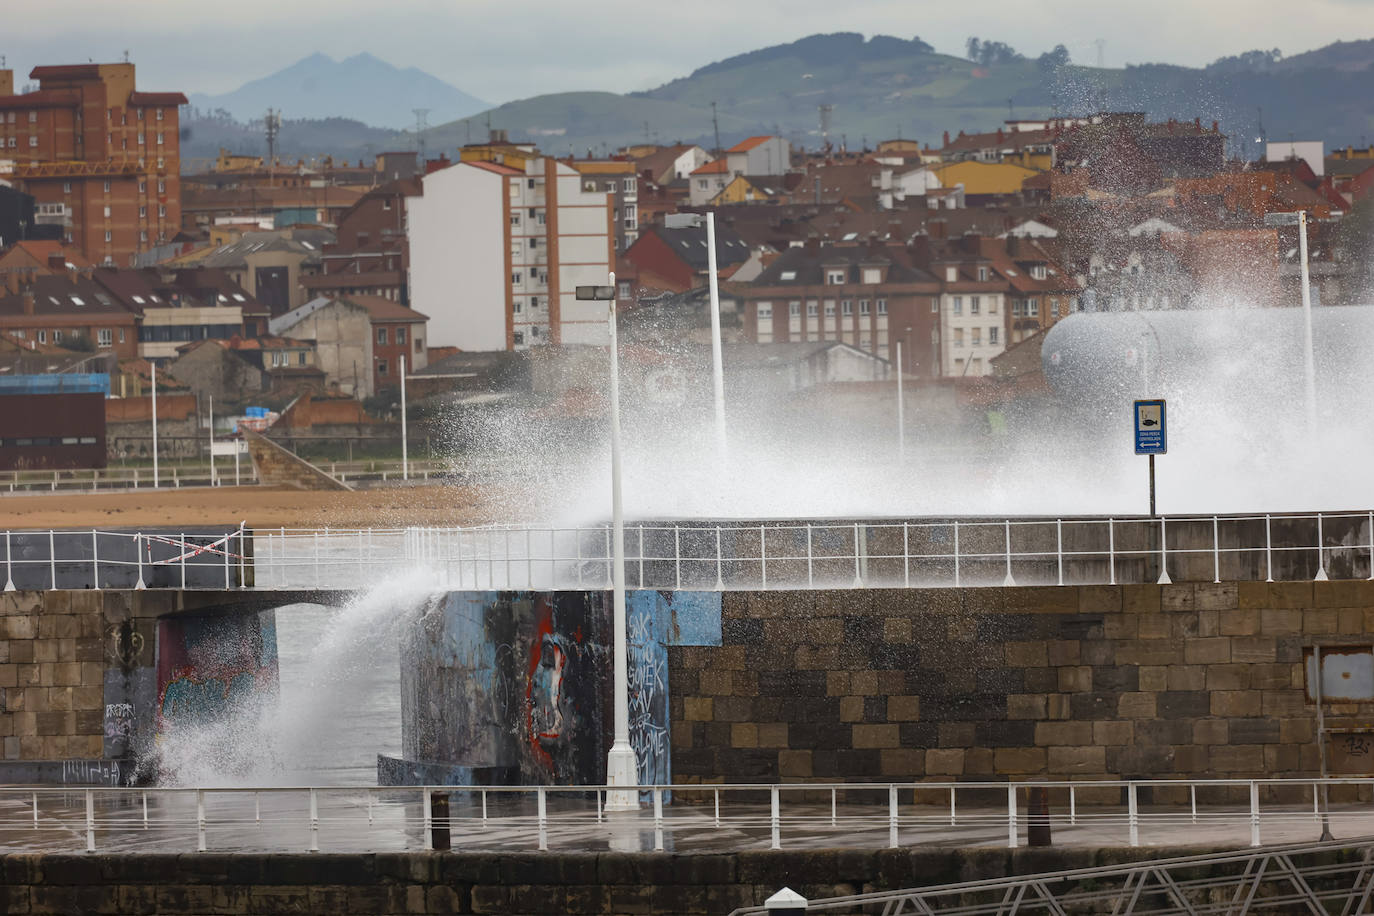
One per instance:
(825, 111)
(272, 126)
(1011, 110)
(1101, 44)
(420, 127)
(715, 125)
(126, 55)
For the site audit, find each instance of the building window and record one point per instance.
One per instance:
(142, 212)
(958, 337)
(956, 306)
(811, 309)
(1033, 307)
(703, 184)
(381, 367)
(873, 275)
(975, 305)
(992, 335)
(107, 187)
(159, 114)
(143, 235)
(104, 337)
(142, 187)
(33, 141)
(517, 277)
(159, 138)
(631, 216)
(300, 358)
(846, 306)
(628, 185)
(162, 212)
(108, 237)
(161, 186)
(381, 336)
(794, 309)
(1038, 271)
(33, 117)
(834, 277)
(121, 335)
(830, 308)
(515, 220)
(43, 336)
(935, 306)
(141, 139)
(400, 336)
(765, 310)
(977, 337)
(57, 335)
(518, 338)
(518, 306)
(386, 204)
(982, 275)
(992, 305)
(107, 212)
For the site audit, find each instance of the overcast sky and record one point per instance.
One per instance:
(501, 50)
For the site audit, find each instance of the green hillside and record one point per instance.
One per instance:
(885, 87)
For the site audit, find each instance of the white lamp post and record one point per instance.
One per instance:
(1309, 361)
(690, 220)
(154, 372)
(405, 460)
(622, 769)
(901, 410)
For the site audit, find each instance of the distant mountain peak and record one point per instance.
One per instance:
(362, 87)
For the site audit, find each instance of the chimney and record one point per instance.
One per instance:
(999, 135)
(27, 300)
(813, 245)
(1215, 127)
(937, 228)
(1197, 123)
(920, 251)
(946, 138)
(6, 82)
(1171, 125)
(57, 261)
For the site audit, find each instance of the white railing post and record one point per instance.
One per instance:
(138, 551)
(1321, 553)
(1011, 817)
(529, 561)
(641, 557)
(716, 793)
(1008, 581)
(228, 547)
(658, 819)
(1216, 552)
(183, 562)
(906, 555)
(892, 839)
(95, 559)
(316, 538)
(35, 811)
(953, 812)
(775, 820)
(1073, 807)
(200, 820)
(314, 822)
(763, 556)
(1164, 551)
(243, 553)
(1059, 546)
(957, 583)
(677, 558)
(145, 809)
(427, 809)
(720, 573)
(1269, 551)
(543, 820)
(1111, 551)
(1371, 545)
(811, 575)
(833, 806)
(1133, 814)
(90, 821)
(1192, 801)
(858, 576)
(52, 557)
(8, 563)
(1254, 814)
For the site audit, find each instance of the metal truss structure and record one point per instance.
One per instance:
(1324, 878)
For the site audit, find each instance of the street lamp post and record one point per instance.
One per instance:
(153, 367)
(901, 410)
(621, 766)
(1309, 361)
(405, 461)
(689, 220)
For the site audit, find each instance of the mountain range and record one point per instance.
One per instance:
(876, 88)
(362, 88)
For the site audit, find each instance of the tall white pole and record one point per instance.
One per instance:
(1309, 361)
(901, 410)
(621, 768)
(155, 476)
(717, 361)
(405, 459)
(212, 439)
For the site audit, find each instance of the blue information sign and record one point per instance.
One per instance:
(1150, 438)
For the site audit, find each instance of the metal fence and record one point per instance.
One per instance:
(867, 553)
(795, 815)
(856, 553)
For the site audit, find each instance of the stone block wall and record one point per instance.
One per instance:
(1136, 681)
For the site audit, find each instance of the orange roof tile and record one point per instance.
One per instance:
(717, 167)
(745, 145)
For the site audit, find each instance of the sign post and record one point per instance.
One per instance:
(1150, 437)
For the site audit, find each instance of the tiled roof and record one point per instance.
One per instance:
(690, 245)
(716, 167)
(64, 295)
(745, 146)
(807, 267)
(497, 167)
(383, 309)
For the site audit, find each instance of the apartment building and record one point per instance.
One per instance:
(861, 295)
(500, 241)
(100, 157)
(618, 179)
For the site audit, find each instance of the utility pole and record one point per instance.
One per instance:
(715, 125)
(420, 127)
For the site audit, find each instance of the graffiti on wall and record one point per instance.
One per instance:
(521, 681)
(209, 666)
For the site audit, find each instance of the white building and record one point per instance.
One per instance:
(497, 250)
(1313, 152)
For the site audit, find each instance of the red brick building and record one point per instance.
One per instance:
(396, 331)
(100, 157)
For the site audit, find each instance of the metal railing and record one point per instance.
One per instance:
(797, 815)
(1311, 878)
(198, 474)
(870, 553)
(94, 558)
